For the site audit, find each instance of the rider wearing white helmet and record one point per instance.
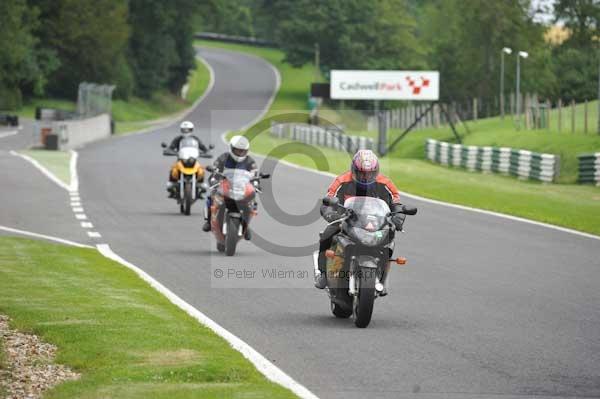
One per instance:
(186, 130)
(236, 158)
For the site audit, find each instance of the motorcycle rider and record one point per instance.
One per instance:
(187, 129)
(236, 158)
(363, 179)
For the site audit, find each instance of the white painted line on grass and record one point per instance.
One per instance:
(8, 134)
(87, 225)
(77, 209)
(43, 236)
(80, 216)
(263, 365)
(94, 234)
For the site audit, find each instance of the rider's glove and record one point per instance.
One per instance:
(398, 221)
(331, 215)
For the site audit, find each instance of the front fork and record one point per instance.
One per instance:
(380, 284)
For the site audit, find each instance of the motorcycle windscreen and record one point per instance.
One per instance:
(370, 213)
(238, 179)
(188, 152)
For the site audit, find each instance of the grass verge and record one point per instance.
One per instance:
(138, 113)
(571, 206)
(112, 327)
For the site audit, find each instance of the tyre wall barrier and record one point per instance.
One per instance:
(589, 168)
(521, 163)
(322, 137)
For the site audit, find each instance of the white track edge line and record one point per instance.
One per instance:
(42, 169)
(45, 237)
(262, 364)
(9, 133)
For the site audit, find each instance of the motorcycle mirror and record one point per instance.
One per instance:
(331, 201)
(264, 175)
(211, 146)
(409, 210)
(210, 168)
(163, 145)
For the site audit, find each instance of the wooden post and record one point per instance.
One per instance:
(559, 115)
(572, 116)
(548, 109)
(585, 117)
(475, 109)
(526, 111)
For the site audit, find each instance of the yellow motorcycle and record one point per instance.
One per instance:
(188, 172)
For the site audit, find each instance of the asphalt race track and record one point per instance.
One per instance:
(486, 307)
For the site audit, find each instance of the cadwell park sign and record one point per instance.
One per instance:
(385, 85)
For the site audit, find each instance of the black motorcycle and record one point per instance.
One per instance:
(358, 264)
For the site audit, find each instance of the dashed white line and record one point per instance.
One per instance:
(94, 234)
(77, 209)
(76, 203)
(87, 225)
(80, 216)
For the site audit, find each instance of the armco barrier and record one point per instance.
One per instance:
(75, 132)
(589, 168)
(521, 163)
(319, 136)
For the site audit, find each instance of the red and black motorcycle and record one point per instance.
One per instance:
(233, 205)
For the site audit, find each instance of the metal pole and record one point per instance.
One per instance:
(518, 92)
(502, 85)
(317, 62)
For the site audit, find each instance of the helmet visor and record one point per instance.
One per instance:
(239, 152)
(187, 130)
(365, 177)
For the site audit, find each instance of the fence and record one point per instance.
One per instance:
(589, 168)
(316, 135)
(94, 99)
(521, 163)
(536, 113)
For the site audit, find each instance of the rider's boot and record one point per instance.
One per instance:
(171, 189)
(206, 225)
(321, 274)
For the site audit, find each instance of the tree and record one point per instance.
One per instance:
(464, 40)
(23, 63)
(350, 34)
(582, 17)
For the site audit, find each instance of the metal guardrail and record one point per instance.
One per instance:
(521, 163)
(589, 168)
(319, 136)
(234, 39)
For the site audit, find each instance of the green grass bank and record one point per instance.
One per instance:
(125, 339)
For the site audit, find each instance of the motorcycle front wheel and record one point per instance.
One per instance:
(231, 240)
(186, 205)
(363, 302)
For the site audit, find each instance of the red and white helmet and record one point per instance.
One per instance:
(365, 167)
